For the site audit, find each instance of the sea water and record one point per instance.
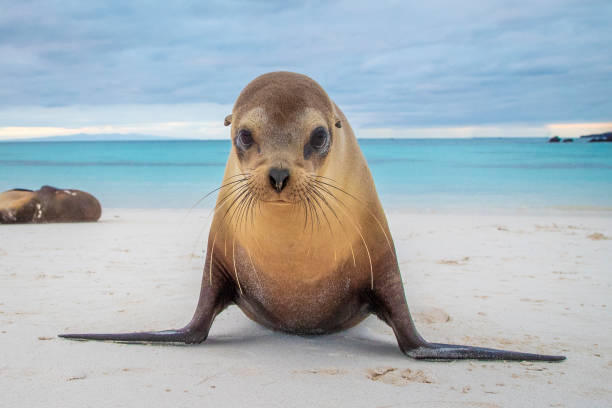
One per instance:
(417, 174)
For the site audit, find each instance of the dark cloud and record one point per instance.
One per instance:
(391, 63)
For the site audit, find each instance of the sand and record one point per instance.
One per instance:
(538, 283)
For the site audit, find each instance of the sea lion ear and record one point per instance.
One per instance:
(228, 120)
(338, 123)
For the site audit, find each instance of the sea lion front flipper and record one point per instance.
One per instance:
(216, 293)
(389, 303)
(437, 351)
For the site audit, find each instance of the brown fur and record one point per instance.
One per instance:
(48, 204)
(314, 284)
(314, 257)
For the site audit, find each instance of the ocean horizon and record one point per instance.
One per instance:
(477, 174)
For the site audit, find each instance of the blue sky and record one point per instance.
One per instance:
(397, 68)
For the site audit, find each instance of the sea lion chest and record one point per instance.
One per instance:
(303, 288)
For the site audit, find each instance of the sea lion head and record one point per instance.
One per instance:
(284, 130)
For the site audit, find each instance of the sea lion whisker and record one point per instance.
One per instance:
(208, 195)
(211, 212)
(241, 196)
(235, 200)
(365, 245)
(322, 201)
(304, 204)
(314, 193)
(338, 220)
(204, 227)
(236, 216)
(316, 189)
(217, 206)
(255, 202)
(237, 203)
(217, 189)
(230, 194)
(252, 209)
(344, 207)
(316, 225)
(313, 212)
(308, 209)
(234, 259)
(358, 230)
(212, 250)
(316, 206)
(253, 265)
(232, 203)
(364, 205)
(219, 228)
(244, 211)
(244, 217)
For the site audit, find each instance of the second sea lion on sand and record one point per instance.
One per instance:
(48, 204)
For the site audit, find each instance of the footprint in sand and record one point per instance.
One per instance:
(431, 315)
(461, 261)
(327, 371)
(597, 236)
(393, 376)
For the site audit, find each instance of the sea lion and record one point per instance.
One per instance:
(299, 240)
(48, 204)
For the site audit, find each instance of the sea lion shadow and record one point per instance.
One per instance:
(357, 340)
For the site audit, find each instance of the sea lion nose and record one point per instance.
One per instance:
(278, 178)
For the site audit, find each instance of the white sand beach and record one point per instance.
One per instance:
(535, 283)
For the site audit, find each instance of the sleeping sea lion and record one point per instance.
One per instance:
(48, 204)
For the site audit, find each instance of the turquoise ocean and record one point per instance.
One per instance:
(415, 174)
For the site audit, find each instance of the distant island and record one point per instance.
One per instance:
(600, 137)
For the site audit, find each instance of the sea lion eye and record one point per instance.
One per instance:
(319, 138)
(244, 139)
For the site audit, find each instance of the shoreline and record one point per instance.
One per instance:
(568, 211)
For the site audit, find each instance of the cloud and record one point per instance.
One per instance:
(394, 64)
(456, 132)
(116, 114)
(186, 121)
